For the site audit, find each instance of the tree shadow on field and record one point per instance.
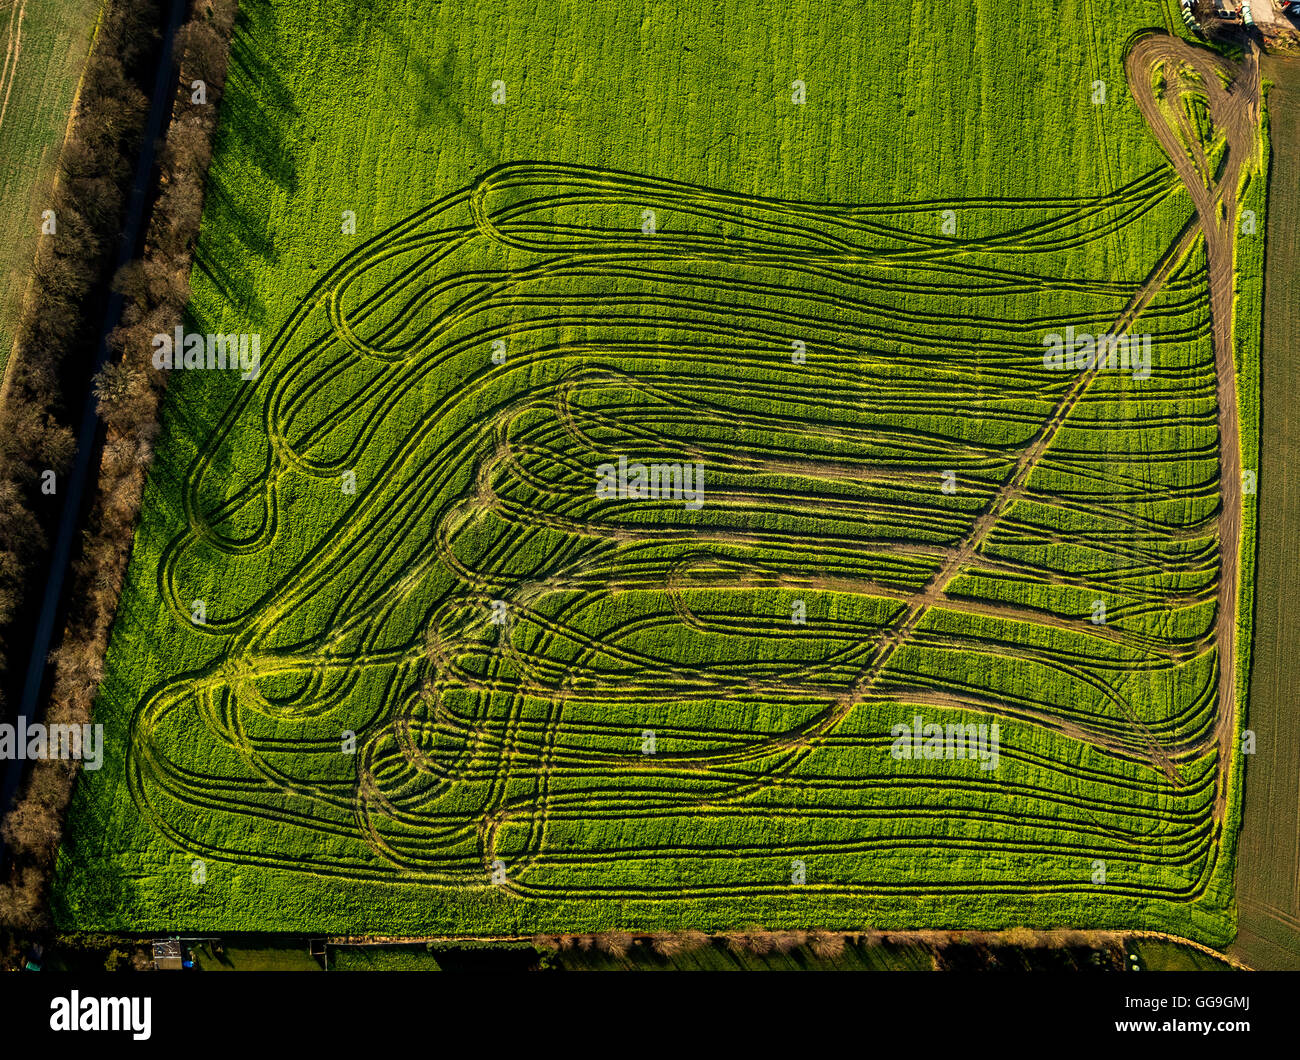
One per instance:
(197, 400)
(233, 234)
(93, 883)
(434, 96)
(361, 14)
(260, 112)
(207, 395)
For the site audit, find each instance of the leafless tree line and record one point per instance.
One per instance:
(826, 945)
(128, 391)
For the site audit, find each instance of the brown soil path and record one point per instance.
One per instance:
(1235, 110)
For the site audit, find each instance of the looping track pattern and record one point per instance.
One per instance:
(522, 743)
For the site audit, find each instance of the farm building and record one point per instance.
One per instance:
(167, 955)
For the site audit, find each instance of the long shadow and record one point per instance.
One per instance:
(232, 236)
(362, 14)
(437, 101)
(259, 111)
(206, 396)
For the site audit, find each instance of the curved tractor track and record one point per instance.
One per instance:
(1234, 107)
(514, 748)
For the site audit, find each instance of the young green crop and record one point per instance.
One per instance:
(443, 684)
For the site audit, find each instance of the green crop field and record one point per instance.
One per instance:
(45, 47)
(1156, 955)
(399, 654)
(1268, 880)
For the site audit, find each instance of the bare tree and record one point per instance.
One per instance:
(616, 943)
(827, 944)
(1021, 938)
(189, 147)
(205, 52)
